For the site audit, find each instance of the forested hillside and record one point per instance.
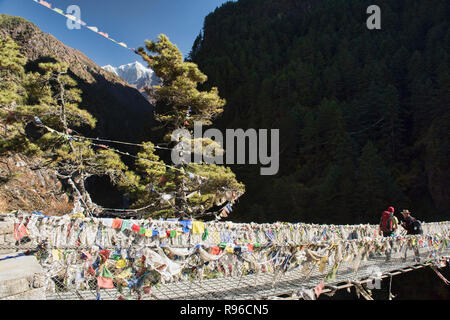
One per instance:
(364, 115)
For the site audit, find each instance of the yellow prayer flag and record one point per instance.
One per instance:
(229, 249)
(125, 274)
(57, 255)
(95, 29)
(78, 215)
(198, 227)
(71, 17)
(323, 263)
(121, 263)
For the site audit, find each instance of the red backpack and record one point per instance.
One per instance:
(386, 222)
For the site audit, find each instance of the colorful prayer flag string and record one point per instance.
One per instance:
(84, 24)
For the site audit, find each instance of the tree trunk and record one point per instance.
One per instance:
(180, 195)
(77, 191)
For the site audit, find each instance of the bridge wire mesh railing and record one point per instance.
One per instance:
(225, 261)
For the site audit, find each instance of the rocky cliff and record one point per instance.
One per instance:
(25, 186)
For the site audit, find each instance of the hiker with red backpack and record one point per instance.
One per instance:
(388, 223)
(388, 226)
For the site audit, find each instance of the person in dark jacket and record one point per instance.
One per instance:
(412, 227)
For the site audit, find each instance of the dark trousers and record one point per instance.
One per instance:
(391, 243)
(415, 247)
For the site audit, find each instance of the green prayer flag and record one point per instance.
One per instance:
(332, 274)
(106, 273)
(115, 257)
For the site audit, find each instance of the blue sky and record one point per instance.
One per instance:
(129, 21)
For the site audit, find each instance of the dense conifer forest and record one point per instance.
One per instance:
(363, 114)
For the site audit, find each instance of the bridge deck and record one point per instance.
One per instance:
(258, 286)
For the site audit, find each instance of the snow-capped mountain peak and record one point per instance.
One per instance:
(135, 74)
(110, 68)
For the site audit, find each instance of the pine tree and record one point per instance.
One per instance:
(179, 100)
(185, 189)
(42, 109)
(12, 94)
(11, 72)
(74, 160)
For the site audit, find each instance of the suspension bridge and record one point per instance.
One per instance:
(109, 259)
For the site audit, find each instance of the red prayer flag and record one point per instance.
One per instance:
(319, 289)
(91, 271)
(104, 254)
(20, 231)
(136, 227)
(224, 213)
(215, 250)
(147, 290)
(45, 3)
(117, 223)
(105, 283)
